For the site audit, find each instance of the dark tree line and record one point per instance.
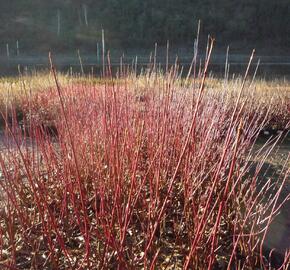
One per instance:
(67, 24)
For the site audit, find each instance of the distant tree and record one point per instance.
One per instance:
(135, 23)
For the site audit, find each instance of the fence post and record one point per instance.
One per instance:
(7, 50)
(58, 22)
(17, 48)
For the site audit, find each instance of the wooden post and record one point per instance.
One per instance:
(155, 57)
(17, 48)
(58, 22)
(81, 63)
(121, 66)
(227, 64)
(7, 50)
(136, 64)
(85, 8)
(98, 53)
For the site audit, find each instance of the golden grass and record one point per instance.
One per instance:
(259, 93)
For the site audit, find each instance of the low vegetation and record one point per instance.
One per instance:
(138, 172)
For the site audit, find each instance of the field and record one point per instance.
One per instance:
(147, 171)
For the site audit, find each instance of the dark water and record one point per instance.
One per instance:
(269, 67)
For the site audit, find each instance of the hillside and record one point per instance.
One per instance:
(64, 25)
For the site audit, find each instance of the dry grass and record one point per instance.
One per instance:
(141, 173)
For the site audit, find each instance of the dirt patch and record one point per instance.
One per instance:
(278, 237)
